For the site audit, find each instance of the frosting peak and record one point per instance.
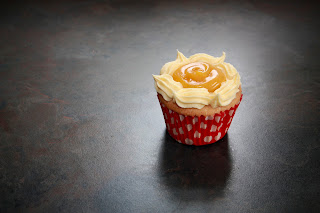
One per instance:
(180, 56)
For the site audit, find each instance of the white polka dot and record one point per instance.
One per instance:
(203, 125)
(207, 139)
(172, 120)
(181, 131)
(231, 112)
(189, 127)
(179, 141)
(226, 130)
(213, 128)
(218, 136)
(170, 111)
(168, 127)
(181, 117)
(220, 126)
(188, 141)
(217, 118)
(174, 131)
(195, 120)
(162, 105)
(165, 115)
(209, 118)
(230, 120)
(197, 134)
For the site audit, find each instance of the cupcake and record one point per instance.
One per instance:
(198, 96)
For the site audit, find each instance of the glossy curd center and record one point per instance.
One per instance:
(199, 75)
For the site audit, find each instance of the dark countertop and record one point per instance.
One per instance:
(81, 129)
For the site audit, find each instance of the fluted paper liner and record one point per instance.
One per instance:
(198, 130)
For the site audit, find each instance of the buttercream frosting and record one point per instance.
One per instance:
(197, 97)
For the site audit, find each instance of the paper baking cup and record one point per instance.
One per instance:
(198, 130)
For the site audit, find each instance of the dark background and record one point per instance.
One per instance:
(81, 129)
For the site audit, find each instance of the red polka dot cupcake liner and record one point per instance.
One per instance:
(198, 130)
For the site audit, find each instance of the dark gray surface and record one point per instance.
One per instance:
(81, 129)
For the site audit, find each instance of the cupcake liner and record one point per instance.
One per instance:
(198, 130)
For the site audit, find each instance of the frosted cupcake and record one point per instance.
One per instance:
(198, 96)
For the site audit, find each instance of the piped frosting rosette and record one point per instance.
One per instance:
(200, 128)
(197, 97)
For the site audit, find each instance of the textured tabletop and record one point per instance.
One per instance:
(81, 129)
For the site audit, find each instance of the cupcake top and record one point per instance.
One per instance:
(198, 81)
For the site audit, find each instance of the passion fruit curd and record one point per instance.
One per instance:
(200, 75)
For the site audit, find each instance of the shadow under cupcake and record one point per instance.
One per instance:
(194, 172)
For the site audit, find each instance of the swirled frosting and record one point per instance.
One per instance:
(197, 97)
